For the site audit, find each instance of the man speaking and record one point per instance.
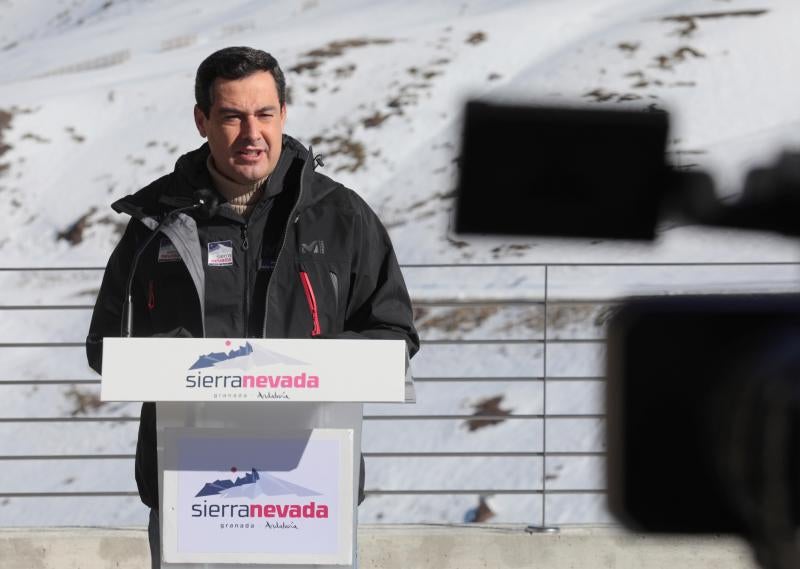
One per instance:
(289, 253)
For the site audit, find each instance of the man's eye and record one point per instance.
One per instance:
(230, 118)
(265, 115)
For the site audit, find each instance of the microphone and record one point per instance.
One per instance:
(205, 205)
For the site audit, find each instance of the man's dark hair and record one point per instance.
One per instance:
(234, 63)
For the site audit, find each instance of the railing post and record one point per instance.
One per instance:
(544, 402)
(543, 527)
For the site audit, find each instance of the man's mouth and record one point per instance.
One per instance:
(250, 153)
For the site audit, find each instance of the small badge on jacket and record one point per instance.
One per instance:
(220, 254)
(167, 253)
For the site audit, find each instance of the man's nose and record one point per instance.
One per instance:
(250, 130)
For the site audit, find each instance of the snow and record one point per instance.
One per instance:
(100, 96)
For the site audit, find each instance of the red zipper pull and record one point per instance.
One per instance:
(151, 295)
(312, 302)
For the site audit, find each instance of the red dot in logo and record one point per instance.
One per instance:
(227, 342)
(234, 469)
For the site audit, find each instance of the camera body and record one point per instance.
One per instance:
(702, 400)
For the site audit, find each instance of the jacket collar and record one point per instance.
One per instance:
(191, 174)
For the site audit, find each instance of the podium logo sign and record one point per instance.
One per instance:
(255, 484)
(280, 498)
(274, 370)
(215, 371)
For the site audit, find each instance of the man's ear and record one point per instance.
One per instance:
(200, 121)
(283, 115)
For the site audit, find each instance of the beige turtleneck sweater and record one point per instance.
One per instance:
(242, 198)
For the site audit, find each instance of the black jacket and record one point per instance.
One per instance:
(311, 260)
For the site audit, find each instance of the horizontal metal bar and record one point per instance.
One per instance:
(455, 342)
(481, 491)
(48, 269)
(483, 379)
(477, 379)
(438, 303)
(550, 341)
(427, 342)
(366, 418)
(448, 302)
(46, 307)
(42, 344)
(68, 419)
(66, 494)
(432, 455)
(466, 491)
(453, 302)
(68, 457)
(445, 303)
(476, 491)
(567, 379)
(477, 454)
(49, 382)
(462, 342)
(476, 417)
(606, 264)
(499, 265)
(450, 417)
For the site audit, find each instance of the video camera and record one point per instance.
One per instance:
(703, 392)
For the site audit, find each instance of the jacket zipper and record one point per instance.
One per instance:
(246, 303)
(245, 242)
(289, 223)
(312, 302)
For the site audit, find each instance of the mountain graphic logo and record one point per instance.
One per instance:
(245, 356)
(252, 485)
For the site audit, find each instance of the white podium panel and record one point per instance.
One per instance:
(259, 428)
(214, 369)
(262, 498)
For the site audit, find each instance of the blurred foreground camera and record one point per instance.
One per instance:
(703, 395)
(703, 405)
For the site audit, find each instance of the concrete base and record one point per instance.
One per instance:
(404, 547)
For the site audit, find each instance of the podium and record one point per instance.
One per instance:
(258, 442)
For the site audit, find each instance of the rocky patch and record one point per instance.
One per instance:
(479, 514)
(74, 233)
(5, 124)
(314, 58)
(688, 23)
(487, 408)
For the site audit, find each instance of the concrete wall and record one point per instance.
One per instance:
(408, 547)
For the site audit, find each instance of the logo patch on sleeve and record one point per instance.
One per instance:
(167, 253)
(220, 254)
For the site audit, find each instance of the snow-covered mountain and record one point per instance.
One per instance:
(96, 99)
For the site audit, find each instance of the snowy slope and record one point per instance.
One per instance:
(96, 101)
(103, 106)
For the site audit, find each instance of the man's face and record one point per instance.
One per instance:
(244, 127)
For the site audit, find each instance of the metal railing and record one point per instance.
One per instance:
(509, 386)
